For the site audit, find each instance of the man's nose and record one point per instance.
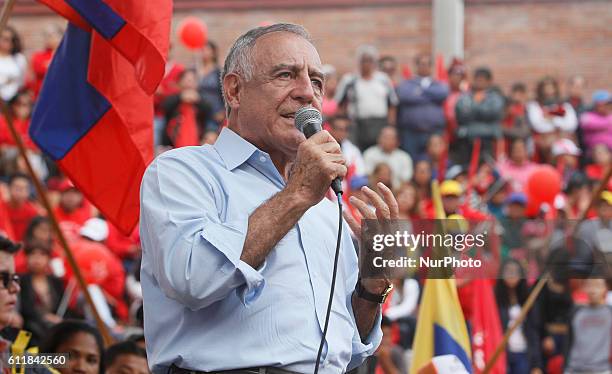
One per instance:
(303, 90)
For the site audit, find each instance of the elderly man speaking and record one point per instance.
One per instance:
(238, 240)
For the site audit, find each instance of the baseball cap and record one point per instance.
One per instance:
(358, 181)
(565, 147)
(607, 197)
(95, 229)
(455, 171)
(66, 185)
(517, 198)
(601, 96)
(451, 187)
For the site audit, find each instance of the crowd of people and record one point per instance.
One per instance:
(403, 129)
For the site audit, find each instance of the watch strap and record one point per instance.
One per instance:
(366, 295)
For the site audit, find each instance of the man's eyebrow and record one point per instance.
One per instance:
(279, 67)
(314, 72)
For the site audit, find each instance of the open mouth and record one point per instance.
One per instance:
(290, 116)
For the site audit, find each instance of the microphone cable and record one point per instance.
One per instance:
(333, 282)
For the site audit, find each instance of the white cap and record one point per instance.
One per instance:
(95, 229)
(565, 147)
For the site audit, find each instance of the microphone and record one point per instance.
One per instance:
(308, 120)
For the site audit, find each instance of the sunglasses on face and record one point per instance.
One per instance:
(8, 279)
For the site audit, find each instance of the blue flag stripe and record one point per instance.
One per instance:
(444, 344)
(68, 106)
(100, 16)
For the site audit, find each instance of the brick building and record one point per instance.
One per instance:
(518, 39)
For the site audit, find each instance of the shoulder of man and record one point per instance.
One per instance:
(194, 158)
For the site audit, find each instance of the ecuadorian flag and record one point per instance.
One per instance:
(441, 327)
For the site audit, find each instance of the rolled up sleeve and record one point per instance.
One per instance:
(367, 347)
(229, 240)
(361, 349)
(192, 254)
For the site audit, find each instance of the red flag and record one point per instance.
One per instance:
(95, 112)
(406, 72)
(487, 332)
(441, 72)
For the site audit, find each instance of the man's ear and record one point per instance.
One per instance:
(232, 87)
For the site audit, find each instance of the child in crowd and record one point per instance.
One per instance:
(590, 339)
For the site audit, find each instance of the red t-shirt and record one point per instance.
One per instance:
(21, 126)
(78, 216)
(40, 65)
(20, 217)
(100, 266)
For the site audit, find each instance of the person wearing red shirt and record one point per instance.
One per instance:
(21, 110)
(457, 84)
(517, 168)
(452, 195)
(40, 234)
(41, 60)
(73, 209)
(602, 159)
(168, 86)
(21, 210)
(515, 124)
(99, 265)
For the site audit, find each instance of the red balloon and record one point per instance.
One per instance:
(533, 208)
(543, 184)
(193, 33)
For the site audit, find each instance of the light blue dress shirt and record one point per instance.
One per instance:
(204, 308)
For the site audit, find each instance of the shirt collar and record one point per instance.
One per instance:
(233, 149)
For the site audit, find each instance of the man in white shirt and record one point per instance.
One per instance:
(368, 97)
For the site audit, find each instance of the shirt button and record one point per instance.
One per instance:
(262, 158)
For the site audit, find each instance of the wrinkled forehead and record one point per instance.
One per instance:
(285, 48)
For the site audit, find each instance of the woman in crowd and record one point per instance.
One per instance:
(39, 234)
(187, 114)
(13, 64)
(511, 292)
(83, 344)
(422, 177)
(408, 201)
(596, 125)
(550, 117)
(209, 85)
(41, 292)
(382, 173)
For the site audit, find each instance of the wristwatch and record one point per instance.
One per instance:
(364, 294)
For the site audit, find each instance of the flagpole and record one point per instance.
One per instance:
(538, 287)
(6, 10)
(54, 224)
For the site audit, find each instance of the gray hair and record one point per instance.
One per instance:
(239, 59)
